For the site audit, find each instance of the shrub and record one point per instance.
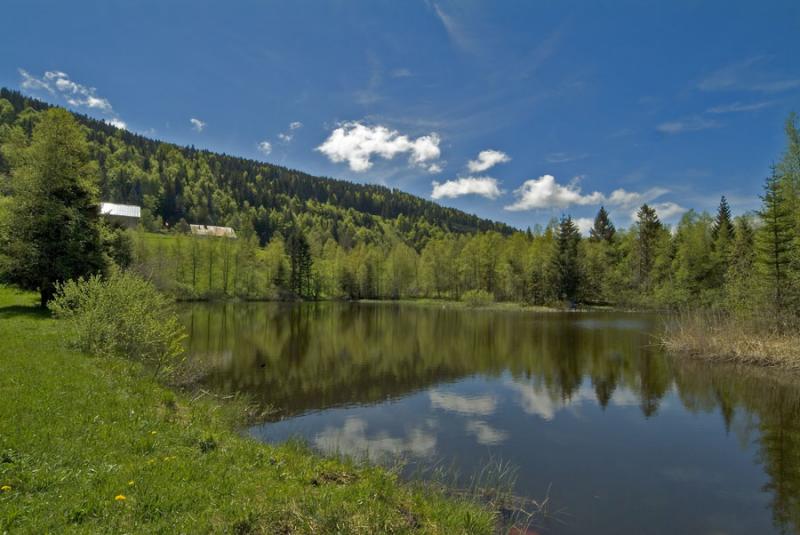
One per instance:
(477, 298)
(122, 315)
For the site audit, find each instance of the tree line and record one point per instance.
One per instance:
(54, 170)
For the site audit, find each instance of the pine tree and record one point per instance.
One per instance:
(776, 238)
(721, 238)
(53, 233)
(603, 229)
(565, 261)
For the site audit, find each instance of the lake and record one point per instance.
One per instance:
(627, 439)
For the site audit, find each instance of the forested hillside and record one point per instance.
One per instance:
(173, 183)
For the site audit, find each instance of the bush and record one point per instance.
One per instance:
(477, 298)
(123, 316)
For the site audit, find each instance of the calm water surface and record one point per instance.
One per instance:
(631, 440)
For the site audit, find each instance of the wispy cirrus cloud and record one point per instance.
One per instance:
(483, 186)
(746, 75)
(563, 157)
(737, 107)
(358, 144)
(688, 124)
(486, 160)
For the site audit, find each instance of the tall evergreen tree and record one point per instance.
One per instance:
(300, 265)
(723, 222)
(53, 233)
(566, 264)
(603, 229)
(775, 239)
(648, 228)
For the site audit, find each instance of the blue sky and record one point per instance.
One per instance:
(572, 104)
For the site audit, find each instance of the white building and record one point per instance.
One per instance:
(126, 215)
(211, 230)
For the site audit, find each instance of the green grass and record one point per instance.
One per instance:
(77, 431)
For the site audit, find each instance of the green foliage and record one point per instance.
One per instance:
(121, 316)
(477, 298)
(602, 229)
(52, 231)
(77, 431)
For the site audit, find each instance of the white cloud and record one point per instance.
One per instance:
(746, 76)
(487, 159)
(400, 73)
(668, 210)
(480, 185)
(117, 123)
(740, 107)
(352, 439)
(75, 94)
(294, 125)
(485, 434)
(197, 124)
(265, 147)
(357, 144)
(473, 405)
(286, 138)
(563, 157)
(545, 192)
(584, 224)
(690, 124)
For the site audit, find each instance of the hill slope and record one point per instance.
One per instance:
(200, 186)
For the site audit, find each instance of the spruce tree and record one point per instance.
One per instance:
(565, 260)
(775, 239)
(723, 222)
(300, 265)
(648, 228)
(603, 229)
(53, 232)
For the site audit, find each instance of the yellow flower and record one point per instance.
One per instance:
(130, 483)
(120, 498)
(6, 488)
(153, 432)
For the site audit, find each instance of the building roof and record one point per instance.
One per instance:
(122, 210)
(210, 230)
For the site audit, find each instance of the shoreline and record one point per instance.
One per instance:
(96, 444)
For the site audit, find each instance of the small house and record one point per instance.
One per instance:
(125, 215)
(212, 231)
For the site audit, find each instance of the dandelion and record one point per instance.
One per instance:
(5, 488)
(120, 497)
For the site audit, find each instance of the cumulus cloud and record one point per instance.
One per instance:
(487, 159)
(485, 434)
(265, 147)
(294, 125)
(584, 224)
(58, 83)
(478, 185)
(545, 192)
(118, 123)
(690, 124)
(356, 144)
(668, 210)
(353, 439)
(473, 405)
(197, 124)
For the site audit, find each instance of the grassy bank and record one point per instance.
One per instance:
(96, 445)
(720, 337)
